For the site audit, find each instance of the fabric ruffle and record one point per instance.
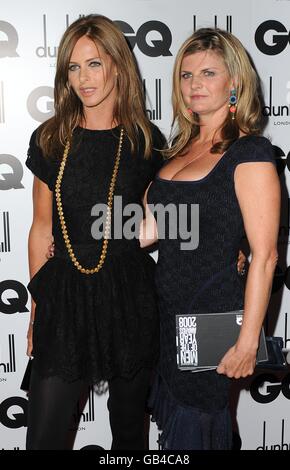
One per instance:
(95, 327)
(185, 427)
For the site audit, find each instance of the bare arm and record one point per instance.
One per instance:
(148, 227)
(40, 236)
(258, 192)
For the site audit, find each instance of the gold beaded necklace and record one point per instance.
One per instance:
(108, 215)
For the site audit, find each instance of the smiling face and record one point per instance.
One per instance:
(205, 83)
(92, 75)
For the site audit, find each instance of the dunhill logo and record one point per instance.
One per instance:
(5, 244)
(88, 415)
(45, 50)
(272, 110)
(10, 366)
(228, 26)
(281, 446)
(154, 114)
(2, 108)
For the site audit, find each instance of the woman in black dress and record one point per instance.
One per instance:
(219, 162)
(94, 313)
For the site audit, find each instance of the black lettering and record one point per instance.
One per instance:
(280, 41)
(14, 420)
(272, 391)
(159, 47)
(14, 304)
(128, 31)
(286, 386)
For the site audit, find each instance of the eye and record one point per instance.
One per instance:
(95, 63)
(72, 67)
(208, 73)
(186, 75)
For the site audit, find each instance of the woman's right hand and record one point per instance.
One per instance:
(29, 339)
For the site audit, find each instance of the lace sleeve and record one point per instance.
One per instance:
(39, 165)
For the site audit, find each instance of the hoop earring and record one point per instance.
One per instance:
(233, 103)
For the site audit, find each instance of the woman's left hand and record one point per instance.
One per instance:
(237, 362)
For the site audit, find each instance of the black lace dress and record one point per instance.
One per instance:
(95, 327)
(192, 408)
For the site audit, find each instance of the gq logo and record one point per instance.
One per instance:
(40, 103)
(11, 180)
(271, 388)
(154, 48)
(13, 412)
(278, 42)
(13, 304)
(8, 46)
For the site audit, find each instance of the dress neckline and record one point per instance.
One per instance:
(200, 180)
(91, 131)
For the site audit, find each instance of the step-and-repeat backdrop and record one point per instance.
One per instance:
(29, 34)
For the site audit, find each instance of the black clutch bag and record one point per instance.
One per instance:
(202, 339)
(26, 378)
(276, 359)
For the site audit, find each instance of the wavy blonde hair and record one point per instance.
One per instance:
(248, 118)
(129, 109)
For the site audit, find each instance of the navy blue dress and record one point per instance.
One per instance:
(192, 408)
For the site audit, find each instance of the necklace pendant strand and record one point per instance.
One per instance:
(195, 158)
(64, 230)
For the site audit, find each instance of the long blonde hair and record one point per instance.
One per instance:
(129, 109)
(248, 116)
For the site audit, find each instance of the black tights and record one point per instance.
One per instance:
(52, 402)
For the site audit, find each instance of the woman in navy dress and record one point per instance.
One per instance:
(219, 161)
